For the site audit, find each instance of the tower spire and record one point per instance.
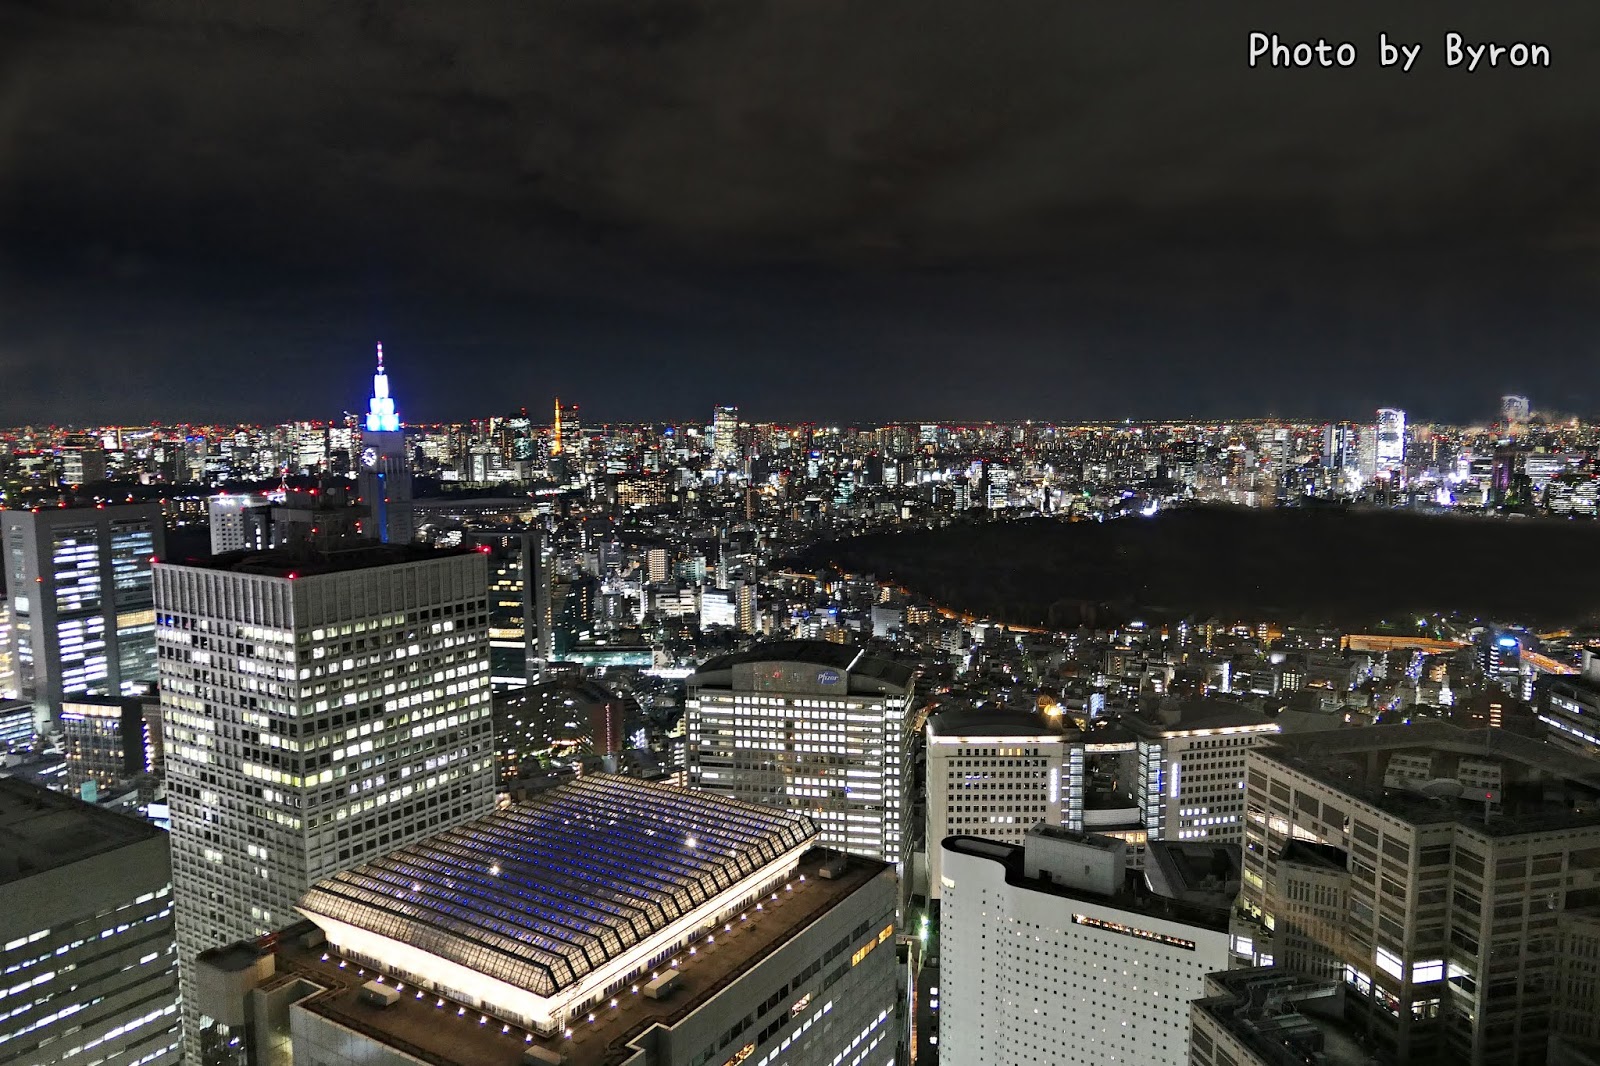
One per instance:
(381, 414)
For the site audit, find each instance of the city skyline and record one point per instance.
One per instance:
(1490, 412)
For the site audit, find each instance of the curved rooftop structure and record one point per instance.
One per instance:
(542, 895)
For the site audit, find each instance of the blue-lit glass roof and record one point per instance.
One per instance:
(544, 893)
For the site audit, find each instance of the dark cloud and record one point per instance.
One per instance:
(901, 208)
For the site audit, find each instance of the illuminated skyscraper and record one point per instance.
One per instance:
(81, 618)
(385, 480)
(725, 436)
(1391, 450)
(319, 711)
(810, 726)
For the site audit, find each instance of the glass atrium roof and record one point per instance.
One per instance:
(542, 894)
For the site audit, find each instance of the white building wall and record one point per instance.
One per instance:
(1191, 783)
(1034, 976)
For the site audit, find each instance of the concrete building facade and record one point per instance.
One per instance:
(86, 935)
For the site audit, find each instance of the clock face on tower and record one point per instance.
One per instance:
(369, 458)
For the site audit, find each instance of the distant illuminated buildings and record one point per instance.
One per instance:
(1341, 447)
(810, 726)
(1514, 412)
(81, 612)
(385, 476)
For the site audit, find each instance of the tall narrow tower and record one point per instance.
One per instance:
(385, 479)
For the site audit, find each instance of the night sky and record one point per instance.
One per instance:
(815, 209)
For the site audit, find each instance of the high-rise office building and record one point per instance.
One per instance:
(1574, 1022)
(107, 743)
(1341, 445)
(86, 935)
(82, 621)
(1190, 783)
(385, 476)
(239, 522)
(1389, 455)
(725, 436)
(993, 774)
(747, 607)
(609, 921)
(811, 726)
(539, 598)
(1429, 868)
(1054, 951)
(319, 710)
(1570, 706)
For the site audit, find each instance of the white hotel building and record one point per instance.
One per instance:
(1051, 953)
(319, 710)
(809, 726)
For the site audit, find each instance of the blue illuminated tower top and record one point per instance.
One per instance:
(381, 415)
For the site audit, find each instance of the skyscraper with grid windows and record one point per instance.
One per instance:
(320, 710)
(81, 616)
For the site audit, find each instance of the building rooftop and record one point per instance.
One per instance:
(1283, 1017)
(1133, 896)
(1181, 716)
(360, 555)
(1542, 788)
(541, 895)
(991, 722)
(825, 653)
(1195, 872)
(42, 830)
(446, 1033)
